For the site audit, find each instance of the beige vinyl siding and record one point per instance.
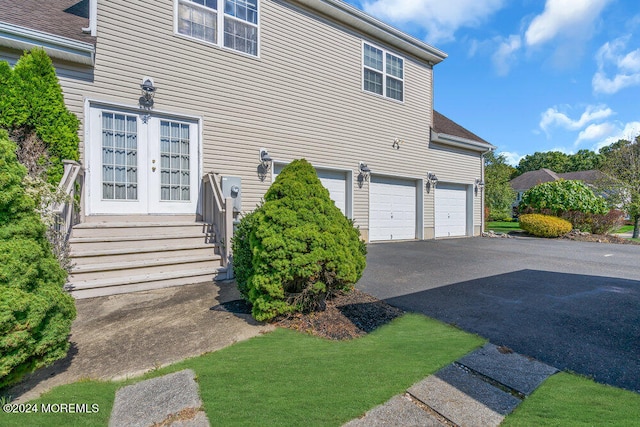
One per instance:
(301, 98)
(457, 166)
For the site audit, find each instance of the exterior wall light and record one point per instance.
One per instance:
(432, 180)
(397, 142)
(148, 92)
(479, 185)
(364, 173)
(265, 159)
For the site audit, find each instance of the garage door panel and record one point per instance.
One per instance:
(451, 210)
(392, 209)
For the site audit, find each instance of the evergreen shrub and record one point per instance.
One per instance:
(297, 247)
(35, 312)
(32, 102)
(544, 225)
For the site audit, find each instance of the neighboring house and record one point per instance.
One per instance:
(242, 89)
(522, 183)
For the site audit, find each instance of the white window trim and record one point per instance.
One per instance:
(220, 27)
(384, 73)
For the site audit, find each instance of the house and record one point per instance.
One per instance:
(522, 183)
(190, 109)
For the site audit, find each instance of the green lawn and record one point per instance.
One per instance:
(503, 226)
(287, 378)
(624, 229)
(571, 400)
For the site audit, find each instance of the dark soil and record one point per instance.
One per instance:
(348, 315)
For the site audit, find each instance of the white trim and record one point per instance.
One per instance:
(456, 141)
(364, 67)
(22, 38)
(355, 18)
(220, 16)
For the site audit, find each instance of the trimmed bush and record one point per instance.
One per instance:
(296, 248)
(544, 225)
(32, 102)
(35, 312)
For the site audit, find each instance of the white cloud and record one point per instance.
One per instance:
(512, 158)
(554, 117)
(629, 131)
(625, 66)
(572, 18)
(596, 131)
(439, 19)
(504, 57)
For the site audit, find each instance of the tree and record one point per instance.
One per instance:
(621, 168)
(31, 103)
(297, 248)
(563, 196)
(585, 160)
(498, 195)
(553, 160)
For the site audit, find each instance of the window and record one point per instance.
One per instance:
(383, 73)
(235, 27)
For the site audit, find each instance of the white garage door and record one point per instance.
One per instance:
(451, 210)
(392, 209)
(334, 181)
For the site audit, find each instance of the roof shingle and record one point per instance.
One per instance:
(64, 18)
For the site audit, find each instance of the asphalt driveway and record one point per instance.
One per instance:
(573, 305)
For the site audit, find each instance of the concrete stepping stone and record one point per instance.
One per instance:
(400, 411)
(170, 400)
(464, 398)
(513, 370)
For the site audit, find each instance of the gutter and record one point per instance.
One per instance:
(355, 18)
(21, 38)
(456, 141)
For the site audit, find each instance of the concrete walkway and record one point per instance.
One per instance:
(478, 390)
(126, 335)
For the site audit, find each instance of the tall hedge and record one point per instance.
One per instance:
(32, 101)
(296, 248)
(35, 312)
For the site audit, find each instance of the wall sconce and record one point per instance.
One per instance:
(148, 91)
(265, 159)
(397, 142)
(364, 174)
(364, 170)
(479, 185)
(146, 100)
(432, 180)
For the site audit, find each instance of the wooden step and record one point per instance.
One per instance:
(126, 253)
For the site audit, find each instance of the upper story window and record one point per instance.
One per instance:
(383, 73)
(230, 23)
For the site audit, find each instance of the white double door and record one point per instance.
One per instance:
(141, 165)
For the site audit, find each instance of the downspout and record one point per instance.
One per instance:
(93, 16)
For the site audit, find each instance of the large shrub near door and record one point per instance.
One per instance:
(35, 312)
(296, 248)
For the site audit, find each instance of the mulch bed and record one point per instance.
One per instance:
(347, 316)
(600, 238)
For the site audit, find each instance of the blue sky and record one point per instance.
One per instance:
(530, 75)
